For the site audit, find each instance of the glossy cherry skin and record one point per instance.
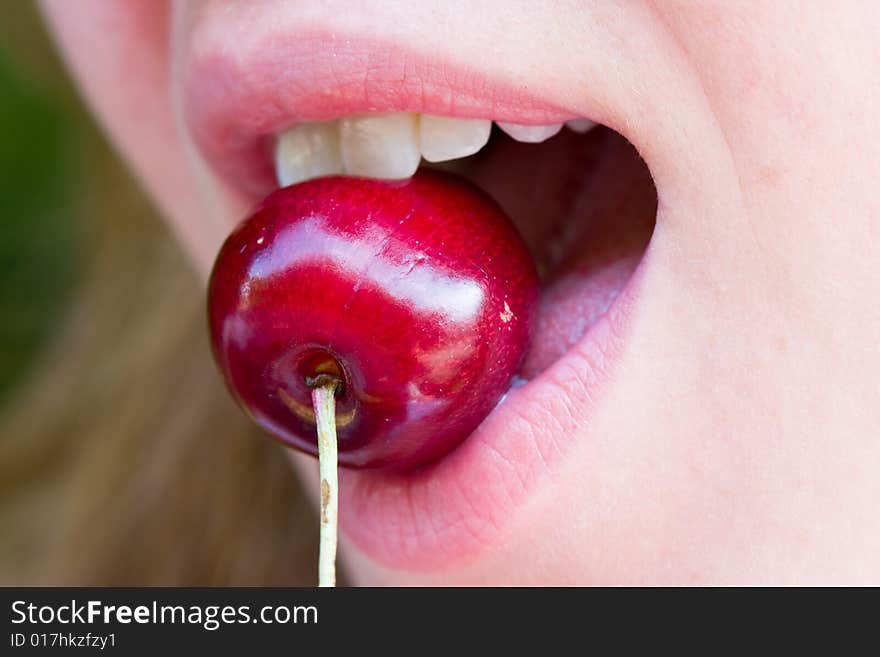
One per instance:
(418, 294)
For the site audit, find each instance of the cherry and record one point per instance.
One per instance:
(412, 299)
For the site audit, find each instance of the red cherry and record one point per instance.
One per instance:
(417, 295)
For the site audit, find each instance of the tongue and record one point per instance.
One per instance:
(585, 205)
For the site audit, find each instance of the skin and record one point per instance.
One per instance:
(739, 439)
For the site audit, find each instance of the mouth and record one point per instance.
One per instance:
(315, 103)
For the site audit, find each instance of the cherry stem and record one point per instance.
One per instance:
(324, 401)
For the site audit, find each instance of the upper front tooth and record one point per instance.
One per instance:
(308, 151)
(446, 138)
(385, 146)
(580, 125)
(531, 134)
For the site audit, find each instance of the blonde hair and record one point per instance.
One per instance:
(123, 460)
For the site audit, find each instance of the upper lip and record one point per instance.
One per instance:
(236, 97)
(236, 100)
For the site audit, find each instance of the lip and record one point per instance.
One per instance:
(235, 99)
(235, 103)
(461, 505)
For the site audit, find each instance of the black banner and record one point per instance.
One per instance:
(173, 620)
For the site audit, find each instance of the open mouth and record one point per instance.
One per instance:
(579, 194)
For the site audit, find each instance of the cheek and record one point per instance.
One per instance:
(125, 76)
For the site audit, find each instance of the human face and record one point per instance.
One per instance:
(719, 422)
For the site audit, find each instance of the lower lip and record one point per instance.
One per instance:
(457, 508)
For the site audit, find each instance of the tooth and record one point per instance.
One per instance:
(308, 151)
(385, 146)
(580, 125)
(531, 134)
(444, 138)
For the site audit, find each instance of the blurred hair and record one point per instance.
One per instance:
(123, 460)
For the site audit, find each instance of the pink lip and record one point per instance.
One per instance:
(233, 104)
(461, 505)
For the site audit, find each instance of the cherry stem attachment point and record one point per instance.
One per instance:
(324, 402)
